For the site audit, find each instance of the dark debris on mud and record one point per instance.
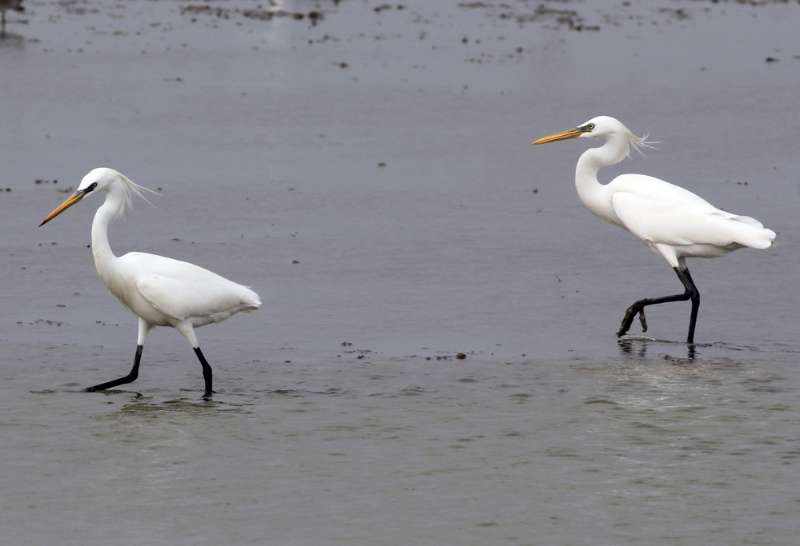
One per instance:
(560, 17)
(313, 17)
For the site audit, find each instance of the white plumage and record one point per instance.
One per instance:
(160, 291)
(672, 221)
(168, 292)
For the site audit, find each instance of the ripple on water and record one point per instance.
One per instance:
(790, 455)
(285, 392)
(776, 407)
(561, 452)
(412, 390)
(147, 407)
(706, 446)
(520, 397)
(600, 401)
(766, 384)
(289, 393)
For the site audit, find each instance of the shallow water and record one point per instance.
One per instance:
(423, 225)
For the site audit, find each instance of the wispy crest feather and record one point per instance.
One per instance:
(131, 188)
(640, 143)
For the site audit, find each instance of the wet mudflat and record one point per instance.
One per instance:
(368, 171)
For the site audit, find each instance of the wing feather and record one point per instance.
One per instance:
(184, 291)
(680, 223)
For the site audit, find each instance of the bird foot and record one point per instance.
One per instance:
(627, 320)
(642, 320)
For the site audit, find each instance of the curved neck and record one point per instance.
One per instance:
(614, 150)
(101, 249)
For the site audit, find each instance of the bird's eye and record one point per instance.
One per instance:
(90, 187)
(590, 126)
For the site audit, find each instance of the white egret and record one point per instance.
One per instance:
(160, 291)
(674, 222)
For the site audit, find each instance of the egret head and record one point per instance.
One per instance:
(600, 126)
(105, 180)
(99, 179)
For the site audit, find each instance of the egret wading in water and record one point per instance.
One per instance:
(674, 222)
(160, 291)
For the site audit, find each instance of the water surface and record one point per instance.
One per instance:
(370, 175)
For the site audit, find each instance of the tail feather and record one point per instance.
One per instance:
(747, 220)
(753, 237)
(250, 300)
(746, 231)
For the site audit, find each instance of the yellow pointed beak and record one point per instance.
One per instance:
(67, 203)
(563, 135)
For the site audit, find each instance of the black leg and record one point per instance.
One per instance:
(694, 294)
(690, 293)
(134, 373)
(206, 373)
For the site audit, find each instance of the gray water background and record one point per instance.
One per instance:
(342, 416)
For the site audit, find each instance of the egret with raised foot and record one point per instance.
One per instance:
(674, 222)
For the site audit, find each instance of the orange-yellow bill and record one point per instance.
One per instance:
(67, 203)
(563, 135)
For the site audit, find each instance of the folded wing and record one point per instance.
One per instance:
(682, 223)
(184, 291)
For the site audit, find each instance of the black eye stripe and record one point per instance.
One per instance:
(90, 187)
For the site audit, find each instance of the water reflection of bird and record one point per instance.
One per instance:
(160, 291)
(674, 222)
(4, 6)
(638, 347)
